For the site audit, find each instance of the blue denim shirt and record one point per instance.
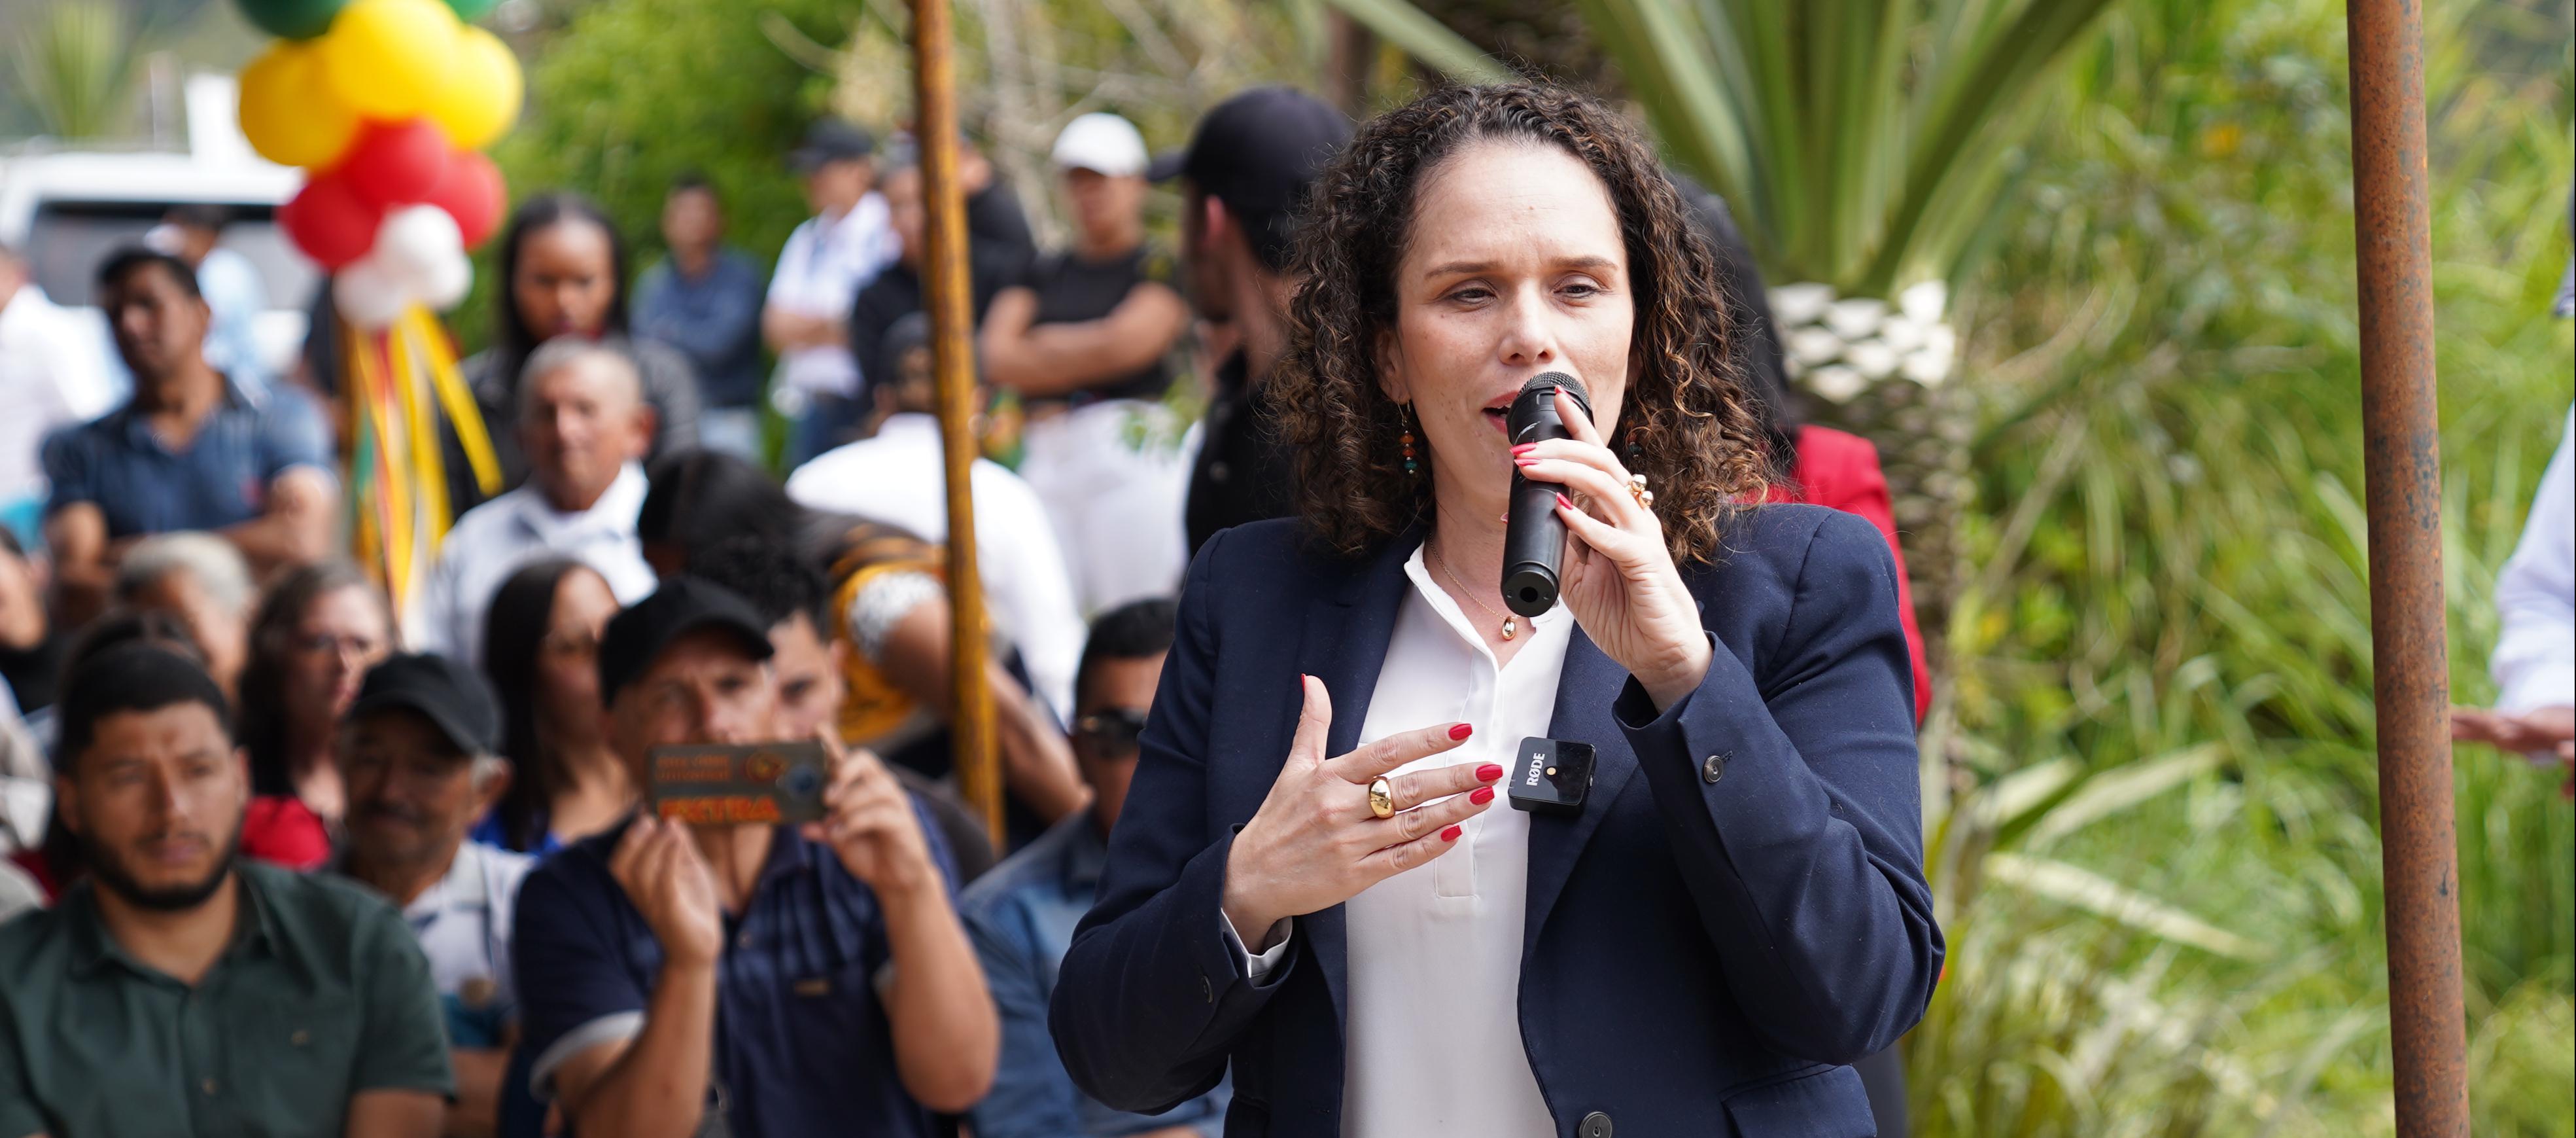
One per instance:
(1021, 917)
(715, 321)
(220, 479)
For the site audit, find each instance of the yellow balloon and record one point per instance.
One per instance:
(389, 59)
(481, 97)
(288, 112)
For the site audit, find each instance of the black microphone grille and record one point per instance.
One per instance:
(1547, 379)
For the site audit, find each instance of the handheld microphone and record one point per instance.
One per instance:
(1534, 538)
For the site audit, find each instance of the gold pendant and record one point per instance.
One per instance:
(1511, 625)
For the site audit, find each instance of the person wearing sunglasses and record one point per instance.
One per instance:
(1021, 915)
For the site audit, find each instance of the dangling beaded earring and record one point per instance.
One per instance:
(1411, 467)
(1636, 450)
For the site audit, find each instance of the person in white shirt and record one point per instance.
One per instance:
(54, 372)
(827, 260)
(1082, 337)
(896, 477)
(585, 427)
(2535, 654)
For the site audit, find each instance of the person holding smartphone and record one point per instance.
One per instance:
(750, 979)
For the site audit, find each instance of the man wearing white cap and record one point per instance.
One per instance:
(1083, 337)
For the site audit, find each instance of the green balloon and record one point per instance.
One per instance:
(292, 19)
(472, 10)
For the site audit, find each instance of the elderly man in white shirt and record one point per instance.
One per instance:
(585, 427)
(54, 372)
(2535, 654)
(896, 477)
(827, 260)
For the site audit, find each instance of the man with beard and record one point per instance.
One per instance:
(182, 990)
(418, 752)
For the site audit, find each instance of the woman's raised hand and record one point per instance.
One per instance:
(1619, 575)
(1315, 843)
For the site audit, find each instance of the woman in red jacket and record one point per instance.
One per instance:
(1816, 465)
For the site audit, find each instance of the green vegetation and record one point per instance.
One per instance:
(72, 62)
(2156, 705)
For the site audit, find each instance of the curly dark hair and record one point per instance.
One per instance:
(1689, 424)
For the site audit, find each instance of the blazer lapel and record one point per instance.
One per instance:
(1584, 692)
(1345, 646)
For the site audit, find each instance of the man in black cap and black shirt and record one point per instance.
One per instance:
(1244, 179)
(753, 979)
(419, 753)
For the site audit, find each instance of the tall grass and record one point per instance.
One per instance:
(2151, 781)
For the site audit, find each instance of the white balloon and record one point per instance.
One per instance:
(417, 243)
(447, 286)
(369, 295)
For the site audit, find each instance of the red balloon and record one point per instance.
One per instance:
(471, 193)
(330, 222)
(395, 164)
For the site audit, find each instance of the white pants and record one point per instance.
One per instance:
(1112, 479)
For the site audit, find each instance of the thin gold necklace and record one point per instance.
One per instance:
(1511, 624)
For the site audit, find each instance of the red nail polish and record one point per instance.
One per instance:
(1461, 731)
(1451, 834)
(1524, 448)
(1483, 795)
(1565, 502)
(1526, 461)
(1488, 772)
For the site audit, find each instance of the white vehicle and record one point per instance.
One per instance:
(63, 211)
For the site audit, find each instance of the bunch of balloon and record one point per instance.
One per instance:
(387, 106)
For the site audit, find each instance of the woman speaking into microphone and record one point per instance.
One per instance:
(1359, 864)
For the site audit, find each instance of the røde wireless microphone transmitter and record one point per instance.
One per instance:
(1551, 776)
(1534, 538)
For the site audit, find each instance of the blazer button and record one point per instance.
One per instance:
(1207, 991)
(1714, 769)
(1595, 1125)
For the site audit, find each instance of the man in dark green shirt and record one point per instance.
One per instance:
(182, 990)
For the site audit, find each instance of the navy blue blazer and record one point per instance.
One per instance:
(1737, 914)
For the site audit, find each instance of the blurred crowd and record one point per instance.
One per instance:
(289, 854)
(293, 858)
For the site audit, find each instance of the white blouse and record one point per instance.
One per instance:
(1433, 1003)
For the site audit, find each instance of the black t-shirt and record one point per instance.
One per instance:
(1072, 290)
(1244, 472)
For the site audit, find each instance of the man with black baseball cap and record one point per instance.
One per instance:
(418, 754)
(770, 980)
(826, 261)
(1245, 177)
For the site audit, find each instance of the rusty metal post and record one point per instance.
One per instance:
(952, 341)
(2402, 456)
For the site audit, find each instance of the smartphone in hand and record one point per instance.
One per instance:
(739, 784)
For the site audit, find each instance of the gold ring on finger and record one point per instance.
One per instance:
(1637, 489)
(1381, 798)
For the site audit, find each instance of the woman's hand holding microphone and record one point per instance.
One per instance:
(1318, 839)
(1619, 579)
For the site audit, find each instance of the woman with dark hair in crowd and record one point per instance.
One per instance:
(1807, 463)
(563, 270)
(889, 606)
(312, 640)
(541, 652)
(1706, 898)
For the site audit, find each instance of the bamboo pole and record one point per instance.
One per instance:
(952, 323)
(2410, 667)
